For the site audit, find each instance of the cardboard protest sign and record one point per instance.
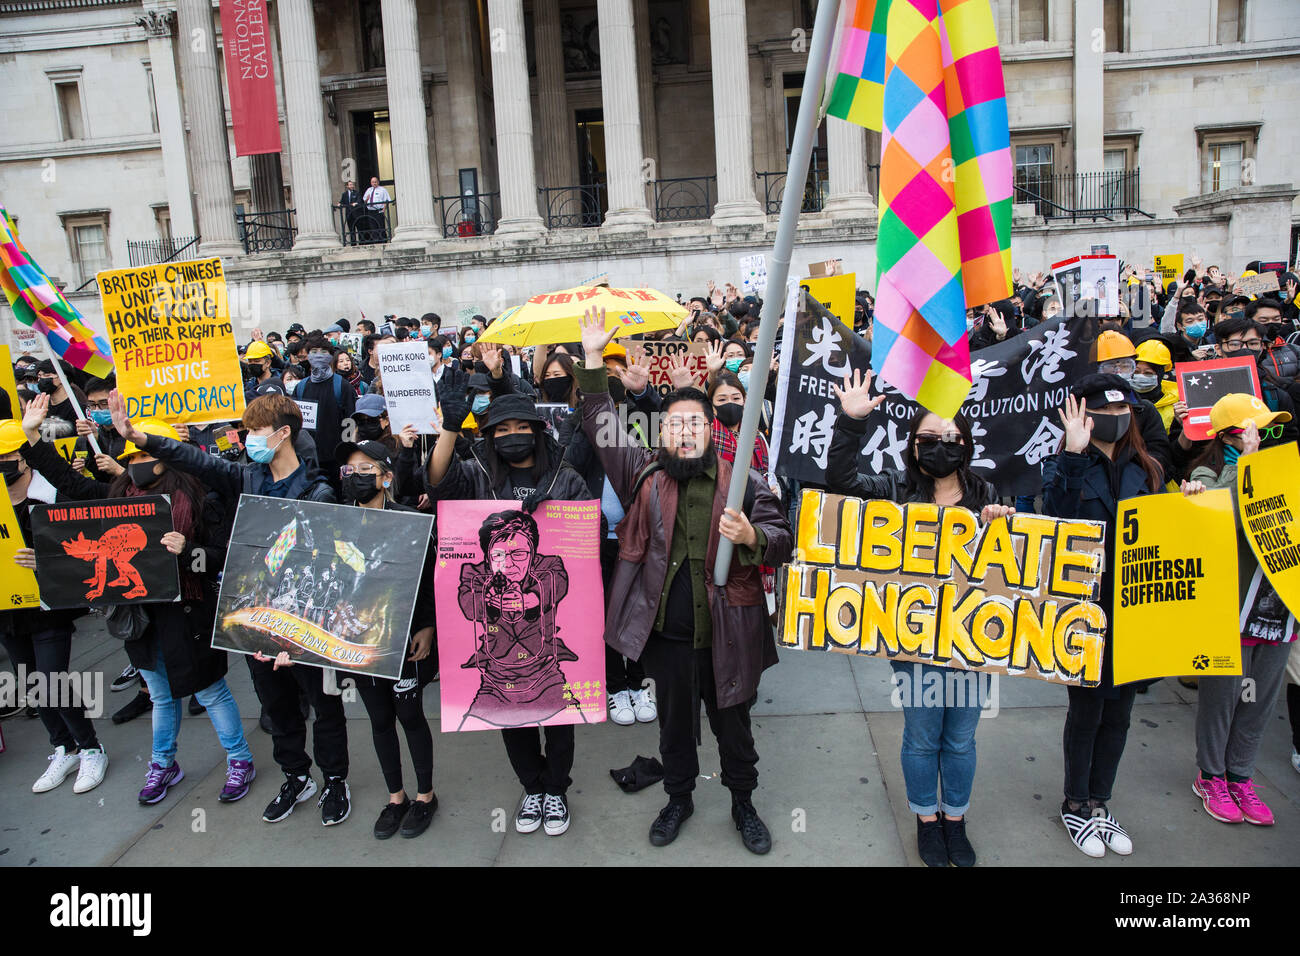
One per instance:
(334, 585)
(931, 584)
(350, 341)
(1169, 268)
(1268, 495)
(520, 615)
(117, 541)
(1258, 284)
(1201, 384)
(1175, 608)
(659, 357)
(837, 293)
(408, 386)
(1088, 277)
(753, 275)
(173, 344)
(19, 588)
(1018, 386)
(309, 410)
(26, 341)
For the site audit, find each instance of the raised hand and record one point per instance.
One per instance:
(678, 373)
(636, 376)
(117, 408)
(713, 358)
(1250, 438)
(995, 321)
(34, 415)
(408, 435)
(491, 355)
(595, 337)
(1078, 426)
(855, 397)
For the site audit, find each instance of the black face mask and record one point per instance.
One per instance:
(515, 448)
(359, 487)
(1109, 428)
(369, 429)
(617, 390)
(142, 474)
(48, 385)
(10, 470)
(557, 389)
(941, 458)
(729, 413)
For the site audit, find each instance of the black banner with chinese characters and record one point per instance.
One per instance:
(1019, 385)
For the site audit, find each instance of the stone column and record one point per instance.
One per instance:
(159, 26)
(645, 85)
(409, 128)
(850, 196)
(463, 88)
(559, 150)
(1089, 87)
(733, 134)
(622, 112)
(267, 181)
(514, 121)
(304, 116)
(209, 150)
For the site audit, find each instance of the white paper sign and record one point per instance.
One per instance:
(753, 274)
(308, 410)
(408, 386)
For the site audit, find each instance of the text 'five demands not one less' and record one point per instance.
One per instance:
(173, 343)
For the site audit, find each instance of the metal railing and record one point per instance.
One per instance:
(266, 231)
(472, 214)
(677, 200)
(365, 223)
(153, 251)
(568, 207)
(1108, 195)
(815, 190)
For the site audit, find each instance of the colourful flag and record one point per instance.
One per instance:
(284, 543)
(40, 306)
(927, 75)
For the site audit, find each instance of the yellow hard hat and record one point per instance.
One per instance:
(1154, 352)
(1235, 410)
(12, 436)
(614, 350)
(150, 426)
(258, 350)
(1114, 345)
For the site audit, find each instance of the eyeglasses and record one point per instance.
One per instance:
(947, 439)
(676, 426)
(345, 470)
(1272, 431)
(97, 406)
(1246, 345)
(518, 556)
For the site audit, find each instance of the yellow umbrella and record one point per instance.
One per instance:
(551, 317)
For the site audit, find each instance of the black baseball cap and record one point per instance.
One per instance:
(505, 407)
(371, 449)
(1099, 390)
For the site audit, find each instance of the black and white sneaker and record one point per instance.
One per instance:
(555, 814)
(335, 801)
(529, 815)
(130, 674)
(1083, 830)
(294, 792)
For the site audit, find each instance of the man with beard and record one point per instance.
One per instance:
(695, 640)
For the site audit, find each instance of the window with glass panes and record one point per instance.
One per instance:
(1222, 166)
(1034, 164)
(91, 250)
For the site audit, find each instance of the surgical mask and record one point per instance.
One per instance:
(744, 380)
(941, 458)
(358, 487)
(142, 473)
(1143, 382)
(10, 469)
(258, 450)
(729, 413)
(557, 389)
(470, 337)
(480, 404)
(320, 365)
(446, 351)
(515, 448)
(101, 416)
(48, 385)
(426, 332)
(733, 364)
(1230, 455)
(1110, 428)
(1197, 330)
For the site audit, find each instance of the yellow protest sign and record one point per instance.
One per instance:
(1175, 609)
(837, 293)
(173, 344)
(1168, 268)
(920, 582)
(1268, 493)
(17, 585)
(67, 448)
(7, 382)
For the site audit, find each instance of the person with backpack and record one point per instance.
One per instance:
(330, 397)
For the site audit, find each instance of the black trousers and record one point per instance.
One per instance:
(683, 676)
(620, 673)
(278, 693)
(389, 702)
(49, 652)
(538, 772)
(1293, 711)
(1096, 729)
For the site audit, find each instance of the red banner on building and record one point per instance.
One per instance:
(250, 76)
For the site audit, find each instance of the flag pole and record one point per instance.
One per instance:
(72, 396)
(819, 52)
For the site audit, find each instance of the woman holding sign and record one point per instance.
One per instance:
(938, 752)
(1229, 727)
(1102, 461)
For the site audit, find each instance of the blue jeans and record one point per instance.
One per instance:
(222, 711)
(938, 741)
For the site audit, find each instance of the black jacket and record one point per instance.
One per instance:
(473, 479)
(231, 479)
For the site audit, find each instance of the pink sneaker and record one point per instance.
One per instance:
(1252, 808)
(1218, 801)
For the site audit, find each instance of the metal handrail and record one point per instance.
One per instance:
(149, 252)
(266, 231)
(1106, 195)
(569, 207)
(678, 200)
(365, 223)
(470, 214)
(814, 194)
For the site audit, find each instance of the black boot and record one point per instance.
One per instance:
(133, 708)
(930, 843)
(960, 852)
(195, 707)
(753, 832)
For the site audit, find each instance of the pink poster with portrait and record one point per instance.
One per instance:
(521, 615)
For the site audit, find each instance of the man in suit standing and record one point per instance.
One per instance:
(350, 203)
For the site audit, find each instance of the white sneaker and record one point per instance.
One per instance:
(555, 815)
(620, 708)
(94, 764)
(62, 763)
(1112, 834)
(644, 707)
(1083, 831)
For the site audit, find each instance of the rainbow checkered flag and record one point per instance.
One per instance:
(40, 306)
(927, 75)
(283, 545)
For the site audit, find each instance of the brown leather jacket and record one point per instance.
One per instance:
(743, 643)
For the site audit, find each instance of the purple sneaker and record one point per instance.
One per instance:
(239, 774)
(159, 781)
